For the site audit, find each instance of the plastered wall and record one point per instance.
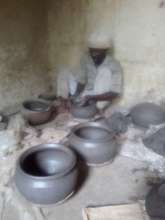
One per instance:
(66, 34)
(139, 34)
(137, 28)
(23, 50)
(39, 39)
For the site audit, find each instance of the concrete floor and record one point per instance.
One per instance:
(123, 181)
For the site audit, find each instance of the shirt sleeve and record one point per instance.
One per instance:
(117, 77)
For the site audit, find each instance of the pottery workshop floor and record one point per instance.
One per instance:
(123, 181)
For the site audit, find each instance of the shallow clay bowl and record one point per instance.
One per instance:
(94, 143)
(36, 112)
(46, 174)
(146, 114)
(86, 111)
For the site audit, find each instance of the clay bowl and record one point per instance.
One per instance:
(86, 111)
(146, 114)
(94, 143)
(36, 112)
(46, 174)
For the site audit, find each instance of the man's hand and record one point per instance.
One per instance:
(109, 96)
(78, 100)
(85, 100)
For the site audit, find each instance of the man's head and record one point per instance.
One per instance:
(99, 44)
(98, 55)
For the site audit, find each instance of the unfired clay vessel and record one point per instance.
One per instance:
(46, 174)
(36, 112)
(86, 111)
(146, 114)
(155, 202)
(94, 143)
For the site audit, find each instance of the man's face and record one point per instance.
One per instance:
(98, 55)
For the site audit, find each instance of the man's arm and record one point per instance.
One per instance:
(115, 89)
(108, 96)
(81, 77)
(80, 89)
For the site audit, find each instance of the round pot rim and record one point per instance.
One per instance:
(84, 112)
(46, 146)
(92, 124)
(36, 100)
(76, 105)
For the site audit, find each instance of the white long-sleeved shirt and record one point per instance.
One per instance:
(107, 77)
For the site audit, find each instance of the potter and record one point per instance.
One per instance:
(99, 78)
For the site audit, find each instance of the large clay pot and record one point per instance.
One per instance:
(146, 114)
(46, 174)
(84, 112)
(36, 112)
(94, 143)
(155, 202)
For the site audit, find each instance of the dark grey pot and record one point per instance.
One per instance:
(46, 174)
(154, 204)
(161, 191)
(36, 112)
(94, 143)
(84, 112)
(146, 114)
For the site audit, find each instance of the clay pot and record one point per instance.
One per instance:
(36, 112)
(94, 143)
(84, 112)
(46, 174)
(146, 114)
(161, 191)
(155, 203)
